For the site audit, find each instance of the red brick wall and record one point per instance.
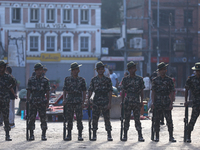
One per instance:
(42, 15)
(7, 15)
(93, 17)
(58, 42)
(76, 16)
(42, 41)
(76, 42)
(25, 15)
(93, 42)
(58, 16)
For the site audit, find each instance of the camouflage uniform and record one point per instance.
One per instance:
(133, 88)
(6, 83)
(163, 88)
(193, 84)
(101, 87)
(38, 88)
(74, 88)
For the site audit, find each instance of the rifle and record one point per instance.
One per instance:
(27, 120)
(186, 123)
(122, 121)
(89, 119)
(152, 125)
(64, 123)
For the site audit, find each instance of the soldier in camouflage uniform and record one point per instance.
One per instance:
(193, 84)
(102, 87)
(7, 82)
(162, 100)
(38, 86)
(133, 85)
(75, 88)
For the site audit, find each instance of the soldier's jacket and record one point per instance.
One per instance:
(193, 84)
(6, 83)
(133, 87)
(162, 87)
(38, 88)
(74, 88)
(101, 87)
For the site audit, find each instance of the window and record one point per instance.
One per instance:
(33, 43)
(67, 16)
(34, 15)
(50, 43)
(84, 16)
(16, 15)
(66, 44)
(164, 17)
(188, 18)
(50, 15)
(84, 44)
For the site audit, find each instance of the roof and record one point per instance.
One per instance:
(61, 1)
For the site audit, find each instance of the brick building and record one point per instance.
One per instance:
(53, 32)
(184, 46)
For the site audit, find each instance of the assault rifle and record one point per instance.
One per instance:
(186, 123)
(64, 123)
(27, 120)
(122, 121)
(89, 119)
(153, 125)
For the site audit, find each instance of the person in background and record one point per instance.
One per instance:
(113, 78)
(22, 105)
(12, 101)
(147, 84)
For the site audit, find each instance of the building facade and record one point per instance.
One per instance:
(55, 33)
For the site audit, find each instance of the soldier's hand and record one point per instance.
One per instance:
(16, 96)
(170, 106)
(47, 106)
(186, 104)
(109, 106)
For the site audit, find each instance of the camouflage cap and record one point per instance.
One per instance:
(197, 66)
(2, 62)
(161, 66)
(38, 66)
(130, 64)
(74, 65)
(99, 65)
(45, 69)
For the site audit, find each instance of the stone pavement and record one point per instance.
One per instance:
(55, 129)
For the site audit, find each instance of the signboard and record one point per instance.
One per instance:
(50, 25)
(55, 57)
(162, 59)
(105, 50)
(16, 49)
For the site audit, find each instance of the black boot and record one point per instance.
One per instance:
(140, 138)
(94, 135)
(80, 135)
(44, 135)
(32, 138)
(69, 136)
(157, 137)
(125, 135)
(109, 136)
(171, 138)
(8, 136)
(188, 140)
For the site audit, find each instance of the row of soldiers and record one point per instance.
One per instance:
(74, 95)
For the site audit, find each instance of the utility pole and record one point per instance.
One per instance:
(158, 28)
(125, 40)
(170, 51)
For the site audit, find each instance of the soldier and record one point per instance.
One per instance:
(7, 82)
(75, 87)
(102, 87)
(162, 100)
(193, 84)
(133, 85)
(38, 86)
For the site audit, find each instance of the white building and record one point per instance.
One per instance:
(53, 32)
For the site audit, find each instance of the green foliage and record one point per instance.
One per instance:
(110, 13)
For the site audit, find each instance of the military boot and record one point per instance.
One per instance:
(140, 138)
(94, 135)
(32, 138)
(69, 136)
(157, 137)
(109, 136)
(80, 135)
(188, 140)
(171, 138)
(44, 135)
(125, 135)
(8, 136)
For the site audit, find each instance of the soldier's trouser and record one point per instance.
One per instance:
(4, 109)
(136, 113)
(41, 108)
(96, 112)
(69, 109)
(194, 116)
(167, 115)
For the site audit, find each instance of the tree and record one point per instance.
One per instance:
(110, 13)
